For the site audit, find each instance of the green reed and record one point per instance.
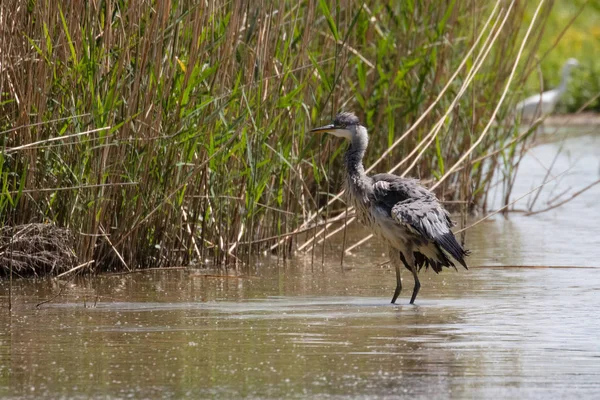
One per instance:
(184, 126)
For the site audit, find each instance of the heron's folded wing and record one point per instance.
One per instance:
(390, 189)
(425, 217)
(429, 220)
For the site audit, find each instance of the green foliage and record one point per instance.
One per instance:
(581, 41)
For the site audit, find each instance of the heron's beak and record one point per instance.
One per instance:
(333, 130)
(323, 129)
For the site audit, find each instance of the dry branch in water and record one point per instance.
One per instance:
(591, 185)
(36, 249)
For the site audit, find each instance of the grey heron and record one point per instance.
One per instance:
(543, 103)
(407, 217)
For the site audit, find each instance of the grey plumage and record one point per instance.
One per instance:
(345, 119)
(401, 212)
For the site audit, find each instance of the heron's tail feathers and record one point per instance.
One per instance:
(437, 263)
(449, 243)
(435, 255)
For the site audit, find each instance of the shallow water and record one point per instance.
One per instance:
(310, 330)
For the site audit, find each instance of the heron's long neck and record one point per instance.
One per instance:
(354, 155)
(564, 79)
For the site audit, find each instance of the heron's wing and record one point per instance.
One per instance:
(427, 218)
(417, 209)
(390, 189)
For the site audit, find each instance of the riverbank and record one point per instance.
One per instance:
(581, 119)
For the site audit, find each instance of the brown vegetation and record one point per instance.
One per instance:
(36, 249)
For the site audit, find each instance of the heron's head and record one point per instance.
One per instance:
(344, 125)
(572, 62)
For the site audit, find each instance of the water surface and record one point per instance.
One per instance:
(305, 330)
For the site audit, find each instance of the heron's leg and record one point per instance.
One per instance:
(398, 284)
(396, 262)
(417, 284)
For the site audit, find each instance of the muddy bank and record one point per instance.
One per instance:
(581, 119)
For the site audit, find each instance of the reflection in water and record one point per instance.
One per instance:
(294, 330)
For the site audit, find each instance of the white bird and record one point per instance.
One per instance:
(543, 104)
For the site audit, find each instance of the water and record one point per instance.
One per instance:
(310, 331)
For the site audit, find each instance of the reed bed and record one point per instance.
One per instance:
(174, 133)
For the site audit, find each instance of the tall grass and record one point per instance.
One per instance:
(175, 133)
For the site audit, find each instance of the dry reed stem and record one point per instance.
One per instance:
(54, 139)
(114, 249)
(59, 189)
(440, 95)
(509, 204)
(481, 57)
(549, 169)
(574, 195)
(500, 101)
(74, 269)
(52, 121)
